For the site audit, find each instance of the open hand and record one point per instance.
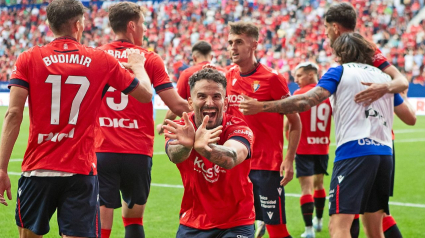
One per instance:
(374, 92)
(180, 134)
(250, 106)
(136, 59)
(204, 137)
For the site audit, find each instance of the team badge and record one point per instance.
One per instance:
(65, 46)
(255, 86)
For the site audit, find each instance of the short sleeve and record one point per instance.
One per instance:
(398, 100)
(157, 72)
(19, 76)
(279, 87)
(119, 77)
(380, 61)
(241, 132)
(331, 79)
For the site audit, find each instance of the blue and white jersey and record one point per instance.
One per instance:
(360, 130)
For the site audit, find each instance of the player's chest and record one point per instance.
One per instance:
(258, 88)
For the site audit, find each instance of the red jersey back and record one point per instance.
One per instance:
(316, 127)
(215, 197)
(65, 81)
(126, 125)
(263, 84)
(183, 83)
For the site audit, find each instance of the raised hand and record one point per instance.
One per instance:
(136, 59)
(204, 137)
(180, 134)
(250, 106)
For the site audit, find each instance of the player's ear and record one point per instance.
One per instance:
(190, 102)
(131, 25)
(255, 44)
(336, 28)
(226, 102)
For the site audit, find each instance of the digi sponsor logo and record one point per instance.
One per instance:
(118, 123)
(56, 137)
(210, 174)
(317, 140)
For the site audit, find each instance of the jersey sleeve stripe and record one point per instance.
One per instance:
(19, 83)
(243, 141)
(132, 86)
(384, 65)
(163, 87)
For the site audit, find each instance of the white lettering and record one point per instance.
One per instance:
(57, 137)
(47, 61)
(74, 59)
(54, 58)
(318, 140)
(61, 58)
(87, 61)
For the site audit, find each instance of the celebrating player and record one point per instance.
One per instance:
(312, 155)
(124, 148)
(256, 80)
(202, 55)
(63, 81)
(211, 148)
(362, 170)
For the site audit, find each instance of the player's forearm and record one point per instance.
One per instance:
(398, 84)
(294, 136)
(10, 132)
(178, 107)
(178, 153)
(298, 103)
(222, 156)
(145, 83)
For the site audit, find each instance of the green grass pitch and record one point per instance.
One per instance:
(161, 215)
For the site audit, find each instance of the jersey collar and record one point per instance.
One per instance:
(66, 38)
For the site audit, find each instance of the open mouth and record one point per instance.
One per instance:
(212, 113)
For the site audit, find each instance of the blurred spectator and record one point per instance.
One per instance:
(291, 31)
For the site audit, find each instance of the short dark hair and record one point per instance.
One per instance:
(353, 48)
(61, 12)
(208, 74)
(343, 14)
(307, 66)
(247, 28)
(122, 13)
(203, 47)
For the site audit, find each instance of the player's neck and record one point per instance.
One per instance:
(248, 67)
(121, 36)
(67, 35)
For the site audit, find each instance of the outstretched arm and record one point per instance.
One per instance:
(181, 139)
(293, 104)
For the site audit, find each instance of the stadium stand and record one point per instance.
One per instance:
(292, 31)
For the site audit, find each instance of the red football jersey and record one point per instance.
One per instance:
(316, 127)
(126, 125)
(263, 84)
(65, 81)
(379, 60)
(183, 83)
(215, 197)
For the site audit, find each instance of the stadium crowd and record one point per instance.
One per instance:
(292, 32)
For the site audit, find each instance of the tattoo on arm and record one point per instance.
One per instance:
(178, 153)
(222, 156)
(298, 103)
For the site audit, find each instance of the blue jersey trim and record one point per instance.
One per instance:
(19, 82)
(243, 141)
(384, 65)
(361, 147)
(163, 87)
(132, 86)
(331, 79)
(397, 100)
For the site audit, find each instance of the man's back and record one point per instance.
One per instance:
(65, 81)
(127, 125)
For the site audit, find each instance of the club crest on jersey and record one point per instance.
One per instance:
(65, 46)
(255, 86)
